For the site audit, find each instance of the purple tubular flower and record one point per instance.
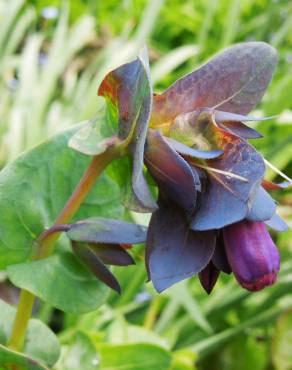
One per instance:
(252, 254)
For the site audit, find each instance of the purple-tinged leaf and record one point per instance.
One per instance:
(239, 129)
(171, 172)
(208, 277)
(173, 251)
(107, 231)
(86, 255)
(263, 206)
(192, 152)
(219, 258)
(277, 223)
(226, 198)
(233, 81)
(112, 254)
(129, 89)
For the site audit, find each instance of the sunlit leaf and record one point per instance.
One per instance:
(233, 81)
(174, 252)
(95, 136)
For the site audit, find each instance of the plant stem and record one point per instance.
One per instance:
(24, 310)
(152, 312)
(46, 242)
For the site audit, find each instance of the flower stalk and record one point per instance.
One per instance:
(46, 241)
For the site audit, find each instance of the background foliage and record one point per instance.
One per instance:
(53, 55)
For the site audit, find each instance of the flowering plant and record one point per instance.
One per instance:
(183, 156)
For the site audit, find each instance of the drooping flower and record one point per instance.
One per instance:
(212, 204)
(193, 140)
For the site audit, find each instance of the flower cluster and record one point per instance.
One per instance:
(213, 207)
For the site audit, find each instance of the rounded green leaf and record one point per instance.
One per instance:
(34, 189)
(63, 281)
(41, 344)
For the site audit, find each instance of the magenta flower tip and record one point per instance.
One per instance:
(252, 254)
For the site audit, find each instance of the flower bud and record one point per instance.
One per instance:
(252, 254)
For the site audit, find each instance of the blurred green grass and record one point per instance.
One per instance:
(54, 54)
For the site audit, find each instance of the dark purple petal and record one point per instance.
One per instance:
(219, 258)
(277, 223)
(208, 277)
(263, 206)
(112, 254)
(239, 129)
(173, 251)
(192, 152)
(225, 200)
(129, 89)
(233, 81)
(171, 172)
(107, 231)
(94, 264)
(234, 117)
(252, 254)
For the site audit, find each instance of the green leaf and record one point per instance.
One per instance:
(40, 342)
(9, 359)
(35, 187)
(282, 342)
(95, 135)
(134, 357)
(61, 280)
(184, 360)
(120, 332)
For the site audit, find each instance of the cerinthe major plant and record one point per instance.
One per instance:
(212, 208)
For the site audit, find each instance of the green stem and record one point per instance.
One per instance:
(47, 240)
(152, 312)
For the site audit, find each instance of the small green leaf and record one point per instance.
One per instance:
(10, 359)
(34, 189)
(95, 135)
(40, 342)
(134, 356)
(61, 280)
